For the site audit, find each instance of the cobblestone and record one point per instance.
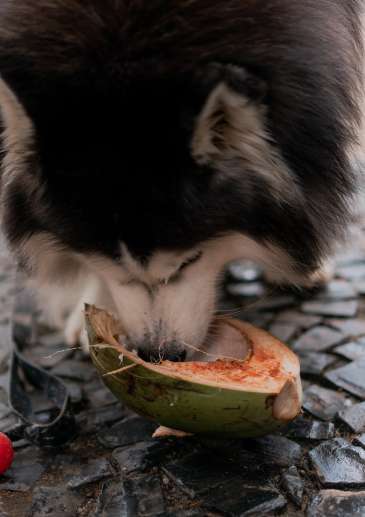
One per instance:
(113, 467)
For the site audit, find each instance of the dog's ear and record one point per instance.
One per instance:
(232, 119)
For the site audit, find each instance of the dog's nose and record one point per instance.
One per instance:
(155, 354)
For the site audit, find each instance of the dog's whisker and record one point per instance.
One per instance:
(62, 351)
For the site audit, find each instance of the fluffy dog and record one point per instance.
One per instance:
(147, 143)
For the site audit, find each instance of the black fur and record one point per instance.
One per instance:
(113, 88)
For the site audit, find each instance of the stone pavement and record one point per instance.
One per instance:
(316, 467)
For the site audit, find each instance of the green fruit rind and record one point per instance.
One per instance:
(183, 403)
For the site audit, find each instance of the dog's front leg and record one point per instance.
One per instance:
(94, 292)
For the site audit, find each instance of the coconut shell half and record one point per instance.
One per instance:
(231, 397)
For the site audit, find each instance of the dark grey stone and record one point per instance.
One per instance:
(94, 470)
(351, 328)
(244, 271)
(283, 331)
(336, 503)
(237, 500)
(3, 395)
(317, 339)
(337, 290)
(303, 321)
(322, 402)
(343, 309)
(350, 377)
(74, 389)
(278, 450)
(131, 430)
(311, 429)
(314, 363)
(54, 501)
(54, 339)
(360, 440)
(14, 486)
(246, 290)
(139, 496)
(350, 256)
(100, 396)
(293, 485)
(354, 350)
(4, 358)
(27, 467)
(274, 303)
(352, 271)
(141, 456)
(206, 469)
(338, 463)
(354, 417)
(77, 370)
(93, 419)
(259, 319)
(5, 411)
(51, 351)
(360, 287)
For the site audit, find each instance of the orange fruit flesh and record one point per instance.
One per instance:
(236, 361)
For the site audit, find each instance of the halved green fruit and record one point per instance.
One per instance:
(227, 397)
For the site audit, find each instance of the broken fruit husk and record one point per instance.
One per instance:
(229, 397)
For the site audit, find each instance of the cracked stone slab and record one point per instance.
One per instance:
(350, 377)
(360, 440)
(98, 395)
(354, 350)
(76, 370)
(317, 339)
(235, 499)
(94, 470)
(293, 485)
(141, 456)
(283, 331)
(337, 503)
(274, 303)
(360, 287)
(338, 463)
(354, 417)
(351, 328)
(278, 450)
(303, 321)
(350, 256)
(139, 496)
(259, 319)
(28, 466)
(343, 309)
(9, 423)
(200, 471)
(55, 501)
(74, 389)
(314, 363)
(91, 420)
(51, 351)
(337, 290)
(324, 403)
(311, 429)
(131, 430)
(352, 271)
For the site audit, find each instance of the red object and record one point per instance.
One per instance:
(6, 453)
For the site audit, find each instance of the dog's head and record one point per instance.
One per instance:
(155, 170)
